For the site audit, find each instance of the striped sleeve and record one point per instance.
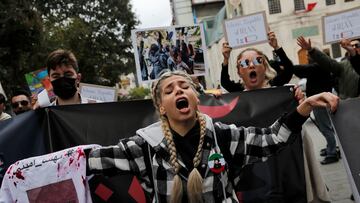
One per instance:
(258, 143)
(127, 155)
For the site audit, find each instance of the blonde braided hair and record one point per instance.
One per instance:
(194, 184)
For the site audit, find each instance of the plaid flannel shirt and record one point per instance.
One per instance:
(239, 145)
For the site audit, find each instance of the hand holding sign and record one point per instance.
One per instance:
(341, 25)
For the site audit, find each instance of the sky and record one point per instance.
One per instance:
(152, 13)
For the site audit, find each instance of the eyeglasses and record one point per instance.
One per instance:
(16, 104)
(246, 62)
(357, 45)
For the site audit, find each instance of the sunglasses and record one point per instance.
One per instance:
(357, 45)
(246, 62)
(16, 104)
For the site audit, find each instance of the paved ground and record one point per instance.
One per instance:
(334, 174)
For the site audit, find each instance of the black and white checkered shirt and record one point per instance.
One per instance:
(239, 146)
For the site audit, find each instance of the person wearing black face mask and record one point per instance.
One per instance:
(62, 69)
(21, 101)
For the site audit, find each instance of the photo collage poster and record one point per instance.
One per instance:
(169, 48)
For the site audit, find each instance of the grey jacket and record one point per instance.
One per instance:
(348, 78)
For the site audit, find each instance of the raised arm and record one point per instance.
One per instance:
(283, 77)
(254, 144)
(354, 57)
(225, 81)
(325, 62)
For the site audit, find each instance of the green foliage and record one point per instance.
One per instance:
(139, 93)
(97, 31)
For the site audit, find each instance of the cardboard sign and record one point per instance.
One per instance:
(341, 25)
(97, 93)
(246, 30)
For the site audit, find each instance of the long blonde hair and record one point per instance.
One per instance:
(194, 184)
(270, 73)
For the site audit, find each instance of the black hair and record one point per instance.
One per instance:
(2, 99)
(19, 91)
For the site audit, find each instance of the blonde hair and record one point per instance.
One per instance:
(270, 73)
(195, 181)
(156, 89)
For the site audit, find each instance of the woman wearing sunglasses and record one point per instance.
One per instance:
(283, 66)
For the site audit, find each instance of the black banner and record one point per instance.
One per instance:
(346, 121)
(280, 179)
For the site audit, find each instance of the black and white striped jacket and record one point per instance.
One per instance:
(239, 145)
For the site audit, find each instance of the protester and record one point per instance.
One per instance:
(21, 101)
(3, 115)
(62, 68)
(320, 81)
(348, 79)
(184, 145)
(272, 79)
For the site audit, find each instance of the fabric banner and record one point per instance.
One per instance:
(346, 122)
(280, 179)
(22, 137)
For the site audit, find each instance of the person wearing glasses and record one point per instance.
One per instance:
(277, 73)
(3, 115)
(21, 101)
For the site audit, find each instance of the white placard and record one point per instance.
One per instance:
(345, 24)
(97, 93)
(246, 30)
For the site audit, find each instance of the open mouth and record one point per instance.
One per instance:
(182, 103)
(252, 75)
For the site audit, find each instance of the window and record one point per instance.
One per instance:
(330, 2)
(348, 0)
(274, 6)
(299, 5)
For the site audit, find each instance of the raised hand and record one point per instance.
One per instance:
(273, 40)
(226, 50)
(303, 43)
(325, 99)
(346, 44)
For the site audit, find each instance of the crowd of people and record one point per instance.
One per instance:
(160, 57)
(178, 139)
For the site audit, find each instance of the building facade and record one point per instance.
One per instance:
(289, 19)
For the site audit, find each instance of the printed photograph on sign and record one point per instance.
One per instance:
(246, 30)
(168, 48)
(341, 25)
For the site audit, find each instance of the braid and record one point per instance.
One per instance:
(194, 184)
(177, 190)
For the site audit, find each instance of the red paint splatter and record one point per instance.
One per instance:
(9, 169)
(19, 175)
(81, 153)
(71, 161)
(15, 184)
(83, 180)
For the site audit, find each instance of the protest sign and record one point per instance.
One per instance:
(97, 93)
(246, 30)
(40, 86)
(340, 25)
(169, 48)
